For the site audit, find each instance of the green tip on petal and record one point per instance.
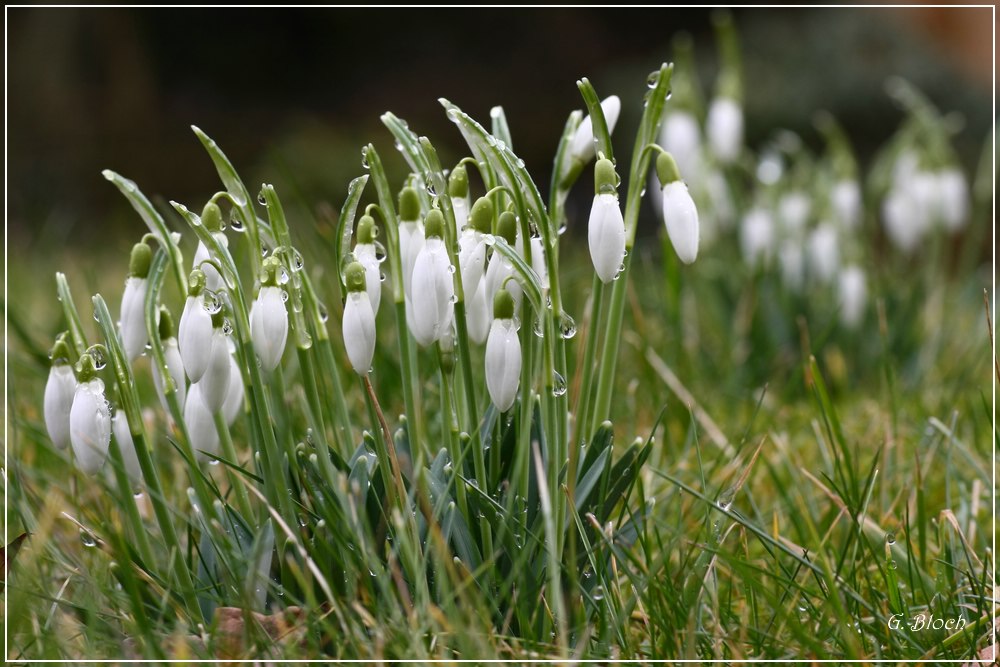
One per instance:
(166, 326)
(196, 282)
(60, 354)
(270, 271)
(211, 217)
(85, 368)
(409, 205)
(666, 168)
(458, 182)
(503, 305)
(481, 217)
(354, 276)
(219, 318)
(142, 257)
(434, 224)
(366, 229)
(605, 178)
(507, 227)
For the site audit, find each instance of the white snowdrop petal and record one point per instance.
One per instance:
(126, 445)
(824, 253)
(757, 237)
(472, 259)
(581, 145)
(215, 382)
(606, 236)
(411, 242)
(359, 331)
(954, 193)
(175, 367)
(60, 390)
(725, 128)
(133, 318)
(269, 326)
(200, 425)
(681, 218)
(433, 290)
(503, 363)
(853, 296)
(365, 253)
(234, 395)
(479, 316)
(194, 336)
(846, 200)
(90, 426)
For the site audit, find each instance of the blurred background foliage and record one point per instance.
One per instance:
(292, 95)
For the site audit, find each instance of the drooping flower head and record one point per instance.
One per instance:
(211, 218)
(411, 235)
(214, 383)
(175, 365)
(268, 318)
(472, 259)
(90, 418)
(433, 285)
(503, 353)
(679, 212)
(194, 334)
(606, 230)
(458, 191)
(133, 311)
(365, 253)
(501, 268)
(59, 392)
(359, 320)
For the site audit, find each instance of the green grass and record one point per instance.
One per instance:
(769, 485)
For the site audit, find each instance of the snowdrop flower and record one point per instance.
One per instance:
(211, 218)
(194, 334)
(793, 212)
(204, 437)
(792, 264)
(501, 268)
(479, 315)
(824, 255)
(853, 295)
(175, 366)
(359, 320)
(214, 383)
(905, 222)
(411, 235)
(581, 147)
(606, 229)
(433, 286)
(679, 212)
(234, 395)
(725, 128)
(472, 245)
(681, 137)
(268, 318)
(503, 353)
(133, 311)
(366, 253)
(538, 261)
(126, 445)
(89, 419)
(846, 200)
(953, 191)
(757, 237)
(458, 191)
(60, 390)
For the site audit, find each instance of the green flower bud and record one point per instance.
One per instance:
(142, 257)
(458, 182)
(366, 229)
(354, 276)
(666, 168)
(211, 217)
(270, 272)
(481, 218)
(503, 305)
(166, 327)
(86, 370)
(507, 227)
(434, 224)
(605, 178)
(409, 205)
(60, 354)
(196, 282)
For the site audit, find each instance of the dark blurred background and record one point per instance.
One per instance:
(292, 95)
